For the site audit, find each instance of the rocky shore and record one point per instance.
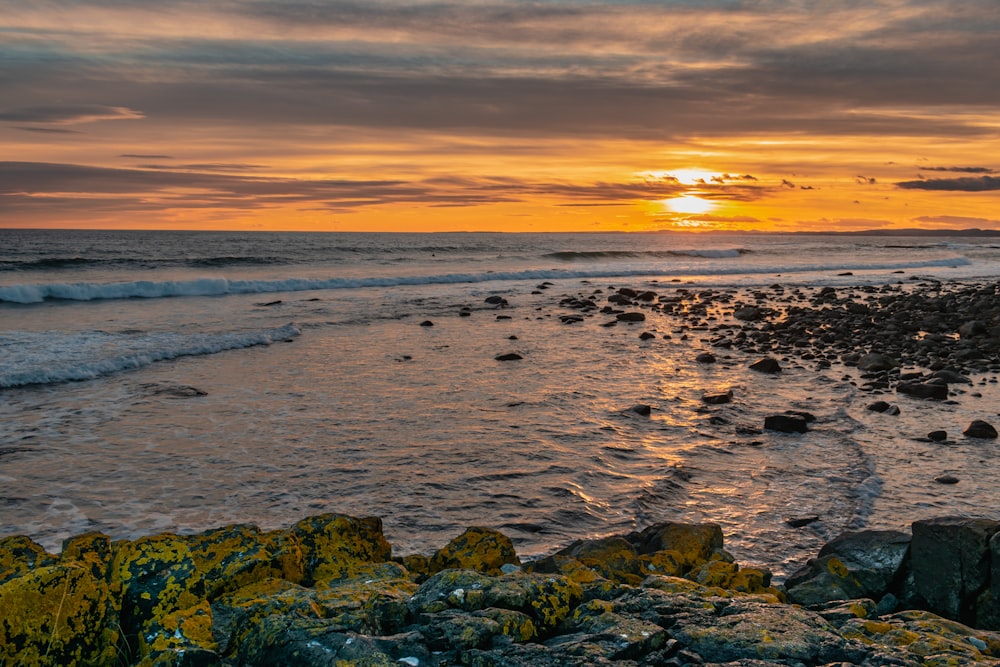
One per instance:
(328, 591)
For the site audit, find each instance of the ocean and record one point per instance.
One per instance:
(179, 381)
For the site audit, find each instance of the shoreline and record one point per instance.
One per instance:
(329, 591)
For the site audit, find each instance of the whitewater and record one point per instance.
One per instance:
(179, 381)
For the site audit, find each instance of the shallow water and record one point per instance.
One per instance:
(367, 412)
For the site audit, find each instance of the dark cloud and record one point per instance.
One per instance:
(963, 170)
(205, 166)
(961, 184)
(46, 130)
(150, 156)
(865, 180)
(959, 221)
(68, 114)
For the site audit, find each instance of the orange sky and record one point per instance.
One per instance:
(427, 116)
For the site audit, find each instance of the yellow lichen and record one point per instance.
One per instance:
(479, 549)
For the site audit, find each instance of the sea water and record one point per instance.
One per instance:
(155, 381)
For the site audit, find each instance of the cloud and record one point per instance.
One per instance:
(961, 184)
(46, 130)
(865, 180)
(69, 114)
(146, 156)
(722, 218)
(966, 170)
(958, 221)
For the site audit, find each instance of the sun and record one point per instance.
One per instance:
(689, 204)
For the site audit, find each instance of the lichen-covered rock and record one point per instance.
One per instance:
(480, 549)
(92, 549)
(546, 598)
(749, 629)
(57, 615)
(950, 559)
(567, 566)
(155, 576)
(926, 638)
(613, 558)
(375, 602)
(623, 636)
(292, 641)
(19, 554)
(863, 564)
(335, 545)
(690, 544)
(455, 630)
(183, 638)
(235, 556)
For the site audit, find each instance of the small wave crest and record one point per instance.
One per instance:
(147, 289)
(52, 357)
(708, 253)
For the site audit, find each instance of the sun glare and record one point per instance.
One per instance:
(689, 204)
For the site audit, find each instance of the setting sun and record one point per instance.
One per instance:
(689, 204)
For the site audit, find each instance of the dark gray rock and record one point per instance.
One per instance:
(865, 564)
(938, 436)
(785, 424)
(766, 365)
(642, 409)
(950, 558)
(876, 361)
(705, 358)
(980, 429)
(510, 356)
(923, 390)
(630, 317)
(718, 399)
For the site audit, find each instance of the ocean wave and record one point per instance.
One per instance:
(707, 253)
(52, 357)
(146, 289)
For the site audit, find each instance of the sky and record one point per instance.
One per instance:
(376, 115)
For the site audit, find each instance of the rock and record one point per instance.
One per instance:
(495, 300)
(854, 565)
(630, 317)
(799, 522)
(705, 358)
(426, 323)
(950, 376)
(57, 615)
(972, 328)
(748, 314)
(766, 365)
(642, 409)
(718, 399)
(938, 436)
(690, 544)
(335, 546)
(510, 356)
(19, 554)
(879, 406)
(238, 555)
(876, 361)
(980, 429)
(645, 335)
(613, 558)
(923, 390)
(950, 558)
(946, 479)
(785, 424)
(480, 549)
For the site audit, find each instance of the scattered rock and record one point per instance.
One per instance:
(426, 323)
(718, 399)
(938, 436)
(766, 365)
(705, 358)
(645, 335)
(923, 390)
(980, 429)
(946, 479)
(875, 361)
(510, 356)
(642, 409)
(799, 522)
(785, 424)
(630, 317)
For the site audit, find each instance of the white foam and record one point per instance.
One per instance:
(47, 357)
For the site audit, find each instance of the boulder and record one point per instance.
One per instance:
(748, 314)
(950, 559)
(630, 317)
(718, 399)
(335, 546)
(864, 564)
(689, 544)
(510, 356)
(705, 358)
(642, 409)
(480, 549)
